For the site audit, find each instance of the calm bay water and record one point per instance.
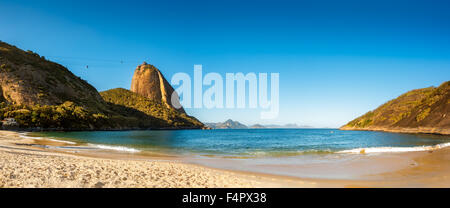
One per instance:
(250, 142)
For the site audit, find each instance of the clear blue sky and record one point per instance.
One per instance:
(336, 59)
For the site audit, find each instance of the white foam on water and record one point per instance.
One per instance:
(395, 149)
(24, 135)
(98, 146)
(56, 140)
(116, 148)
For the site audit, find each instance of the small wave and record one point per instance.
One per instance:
(287, 153)
(56, 140)
(116, 148)
(395, 149)
(24, 135)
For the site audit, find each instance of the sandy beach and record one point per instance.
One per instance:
(26, 162)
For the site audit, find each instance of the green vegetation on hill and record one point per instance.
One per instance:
(69, 116)
(427, 107)
(64, 116)
(165, 117)
(40, 94)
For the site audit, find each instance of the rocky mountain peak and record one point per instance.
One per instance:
(149, 82)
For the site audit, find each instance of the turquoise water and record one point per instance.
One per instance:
(250, 142)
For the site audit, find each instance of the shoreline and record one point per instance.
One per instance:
(418, 130)
(25, 165)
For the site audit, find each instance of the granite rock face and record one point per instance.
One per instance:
(149, 82)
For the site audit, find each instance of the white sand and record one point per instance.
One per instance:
(22, 165)
(25, 166)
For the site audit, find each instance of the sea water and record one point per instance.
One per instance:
(308, 153)
(252, 142)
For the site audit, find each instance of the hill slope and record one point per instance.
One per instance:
(29, 79)
(164, 116)
(424, 110)
(43, 95)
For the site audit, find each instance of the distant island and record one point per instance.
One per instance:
(417, 111)
(230, 124)
(257, 126)
(37, 94)
(287, 126)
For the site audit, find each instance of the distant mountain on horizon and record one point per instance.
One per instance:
(228, 124)
(425, 110)
(287, 126)
(257, 126)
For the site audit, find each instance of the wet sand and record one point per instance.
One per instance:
(28, 162)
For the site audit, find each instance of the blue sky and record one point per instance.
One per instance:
(336, 59)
